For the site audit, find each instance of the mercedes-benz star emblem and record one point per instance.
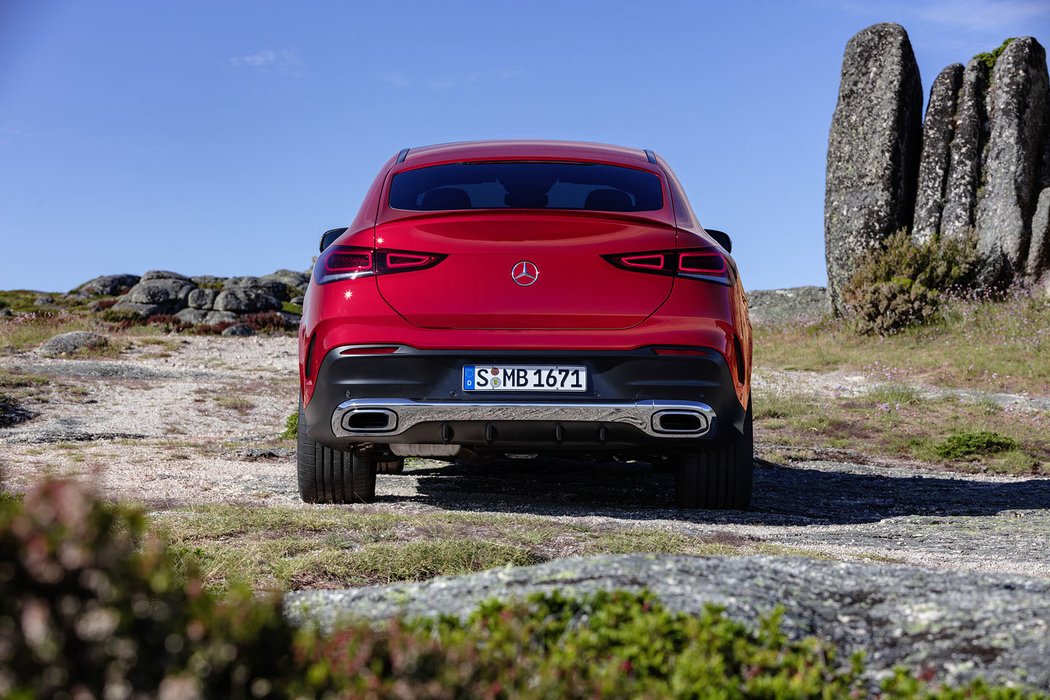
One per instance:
(525, 273)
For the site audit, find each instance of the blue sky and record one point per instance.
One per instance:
(224, 137)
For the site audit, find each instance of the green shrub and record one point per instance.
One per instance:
(972, 444)
(291, 426)
(903, 284)
(991, 57)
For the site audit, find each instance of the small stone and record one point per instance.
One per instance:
(68, 343)
(239, 330)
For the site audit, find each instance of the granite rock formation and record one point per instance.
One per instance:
(938, 128)
(873, 149)
(207, 299)
(1017, 110)
(971, 133)
(984, 169)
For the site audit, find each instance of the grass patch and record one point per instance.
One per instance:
(235, 403)
(1000, 346)
(291, 308)
(29, 330)
(896, 422)
(294, 548)
(15, 379)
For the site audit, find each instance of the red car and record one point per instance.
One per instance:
(520, 299)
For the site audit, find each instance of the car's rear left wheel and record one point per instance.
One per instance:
(719, 477)
(333, 476)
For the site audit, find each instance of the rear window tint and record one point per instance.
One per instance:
(590, 186)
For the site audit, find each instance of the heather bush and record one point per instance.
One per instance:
(903, 284)
(92, 606)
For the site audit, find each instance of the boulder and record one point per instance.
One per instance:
(208, 281)
(143, 310)
(272, 287)
(291, 320)
(192, 316)
(937, 131)
(68, 343)
(873, 150)
(164, 275)
(215, 317)
(240, 330)
(168, 293)
(971, 133)
(1018, 112)
(1038, 264)
(295, 280)
(44, 300)
(108, 285)
(202, 298)
(246, 300)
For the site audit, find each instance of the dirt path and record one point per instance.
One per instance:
(197, 421)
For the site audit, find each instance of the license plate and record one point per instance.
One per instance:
(524, 378)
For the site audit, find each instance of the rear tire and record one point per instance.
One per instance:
(333, 476)
(721, 476)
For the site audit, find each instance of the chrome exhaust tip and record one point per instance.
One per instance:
(370, 420)
(680, 422)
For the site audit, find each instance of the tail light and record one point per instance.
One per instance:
(346, 262)
(697, 263)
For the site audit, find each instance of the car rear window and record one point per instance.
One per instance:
(531, 185)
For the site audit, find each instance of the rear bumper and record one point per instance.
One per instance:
(636, 401)
(372, 418)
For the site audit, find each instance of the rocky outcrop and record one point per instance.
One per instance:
(985, 159)
(873, 149)
(204, 299)
(971, 133)
(938, 128)
(1017, 106)
(953, 625)
(794, 305)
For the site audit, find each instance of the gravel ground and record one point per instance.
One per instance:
(157, 426)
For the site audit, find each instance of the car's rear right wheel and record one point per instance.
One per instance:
(333, 476)
(719, 477)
